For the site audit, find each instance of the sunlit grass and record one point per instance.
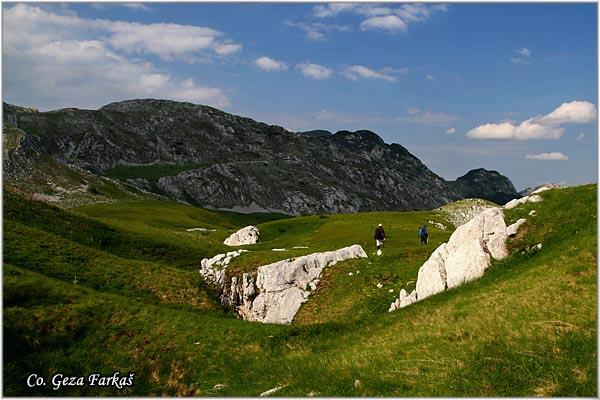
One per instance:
(527, 328)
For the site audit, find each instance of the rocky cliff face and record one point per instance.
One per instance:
(232, 162)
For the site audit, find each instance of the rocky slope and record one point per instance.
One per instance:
(231, 162)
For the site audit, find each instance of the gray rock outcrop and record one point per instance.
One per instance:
(246, 235)
(280, 288)
(214, 159)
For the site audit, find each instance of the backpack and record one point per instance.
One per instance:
(421, 231)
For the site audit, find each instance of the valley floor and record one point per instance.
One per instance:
(115, 287)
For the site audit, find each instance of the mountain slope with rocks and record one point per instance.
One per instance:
(213, 159)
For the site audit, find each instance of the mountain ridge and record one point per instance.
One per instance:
(235, 162)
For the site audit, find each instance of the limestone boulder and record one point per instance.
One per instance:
(213, 269)
(432, 275)
(465, 257)
(409, 299)
(467, 262)
(514, 228)
(534, 198)
(246, 235)
(494, 233)
(279, 289)
(283, 286)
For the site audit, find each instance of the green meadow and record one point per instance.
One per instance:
(115, 287)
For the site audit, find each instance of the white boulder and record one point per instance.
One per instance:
(246, 235)
(409, 299)
(438, 225)
(432, 275)
(466, 263)
(284, 285)
(213, 269)
(465, 257)
(534, 198)
(512, 230)
(547, 186)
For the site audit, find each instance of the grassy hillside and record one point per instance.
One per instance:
(137, 304)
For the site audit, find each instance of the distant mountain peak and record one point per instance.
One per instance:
(489, 185)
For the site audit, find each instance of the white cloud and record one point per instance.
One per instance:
(526, 130)
(389, 22)
(328, 10)
(416, 116)
(314, 71)
(387, 74)
(55, 61)
(269, 64)
(580, 136)
(388, 17)
(576, 112)
(541, 127)
(136, 6)
(555, 155)
(316, 30)
(523, 58)
(226, 48)
(450, 131)
(430, 78)
(131, 6)
(166, 40)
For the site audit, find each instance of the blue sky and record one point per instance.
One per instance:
(509, 87)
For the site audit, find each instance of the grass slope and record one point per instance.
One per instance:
(528, 327)
(151, 172)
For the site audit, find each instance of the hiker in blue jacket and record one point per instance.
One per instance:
(424, 234)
